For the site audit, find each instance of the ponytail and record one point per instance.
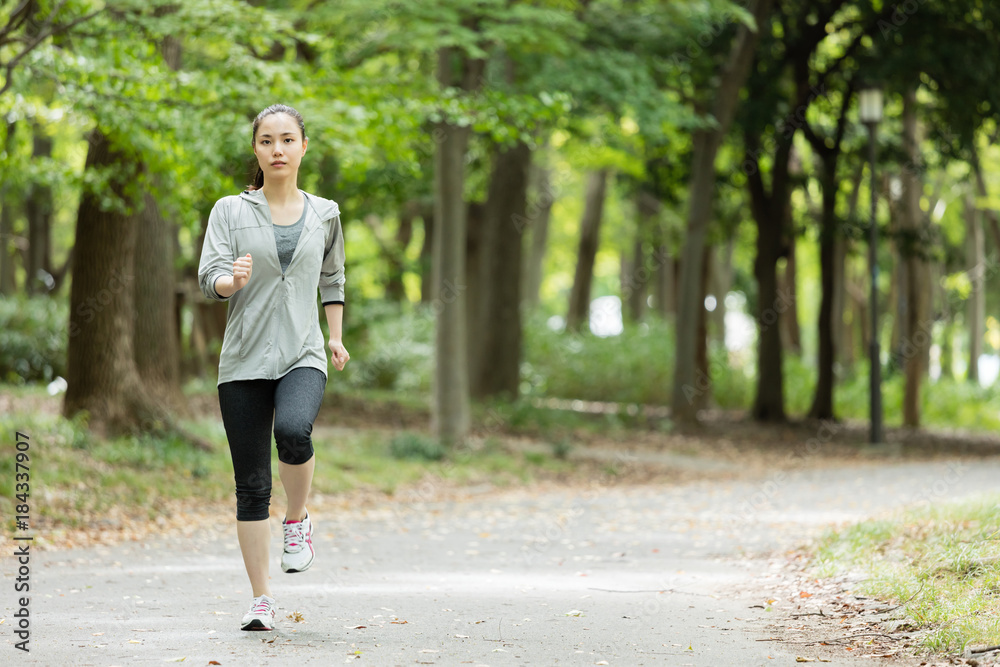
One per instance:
(258, 180)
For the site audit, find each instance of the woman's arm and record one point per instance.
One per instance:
(335, 321)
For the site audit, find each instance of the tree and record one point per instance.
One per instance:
(30, 24)
(450, 412)
(706, 148)
(590, 229)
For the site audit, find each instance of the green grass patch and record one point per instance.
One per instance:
(942, 562)
(76, 478)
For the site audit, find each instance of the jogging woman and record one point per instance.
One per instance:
(267, 251)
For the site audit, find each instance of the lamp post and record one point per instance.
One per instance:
(870, 100)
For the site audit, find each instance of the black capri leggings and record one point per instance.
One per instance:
(248, 408)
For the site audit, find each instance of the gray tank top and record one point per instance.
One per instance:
(286, 237)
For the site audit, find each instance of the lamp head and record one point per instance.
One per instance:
(870, 103)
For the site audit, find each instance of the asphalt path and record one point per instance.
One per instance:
(615, 575)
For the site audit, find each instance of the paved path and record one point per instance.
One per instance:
(552, 578)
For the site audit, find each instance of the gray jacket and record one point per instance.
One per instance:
(273, 324)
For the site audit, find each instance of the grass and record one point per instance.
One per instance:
(941, 561)
(76, 479)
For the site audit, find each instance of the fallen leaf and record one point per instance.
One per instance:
(96, 634)
(134, 641)
(399, 622)
(214, 662)
(803, 594)
(574, 612)
(355, 627)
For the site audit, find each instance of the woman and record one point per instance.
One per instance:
(267, 251)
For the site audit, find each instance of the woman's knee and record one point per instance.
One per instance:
(294, 440)
(253, 497)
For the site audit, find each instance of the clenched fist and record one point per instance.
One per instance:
(242, 268)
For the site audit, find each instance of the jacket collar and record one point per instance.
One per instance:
(324, 208)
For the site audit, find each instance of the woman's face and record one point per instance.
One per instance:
(279, 146)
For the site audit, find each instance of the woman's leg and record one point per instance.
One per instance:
(297, 400)
(247, 413)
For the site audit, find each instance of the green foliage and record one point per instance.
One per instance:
(392, 347)
(416, 446)
(633, 367)
(32, 339)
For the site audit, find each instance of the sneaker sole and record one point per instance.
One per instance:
(258, 625)
(305, 567)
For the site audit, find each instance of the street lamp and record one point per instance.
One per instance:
(870, 102)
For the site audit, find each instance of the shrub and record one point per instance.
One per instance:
(416, 446)
(32, 339)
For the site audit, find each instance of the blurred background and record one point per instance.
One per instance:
(661, 206)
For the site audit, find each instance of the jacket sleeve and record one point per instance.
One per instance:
(216, 253)
(331, 275)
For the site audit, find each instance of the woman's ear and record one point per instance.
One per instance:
(305, 144)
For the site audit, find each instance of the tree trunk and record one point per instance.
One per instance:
(843, 319)
(664, 278)
(395, 290)
(475, 214)
(590, 229)
(771, 211)
(976, 255)
(102, 374)
(450, 408)
(918, 327)
(790, 330)
(539, 217)
(499, 305)
(156, 329)
(636, 268)
(991, 214)
(822, 406)
(427, 254)
(8, 275)
(157, 346)
(38, 210)
(706, 148)
(721, 283)
(703, 397)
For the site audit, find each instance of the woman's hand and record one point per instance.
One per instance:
(242, 268)
(340, 355)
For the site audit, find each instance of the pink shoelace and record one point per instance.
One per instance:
(294, 535)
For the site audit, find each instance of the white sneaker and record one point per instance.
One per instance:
(261, 614)
(299, 552)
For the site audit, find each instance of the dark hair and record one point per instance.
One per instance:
(258, 179)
